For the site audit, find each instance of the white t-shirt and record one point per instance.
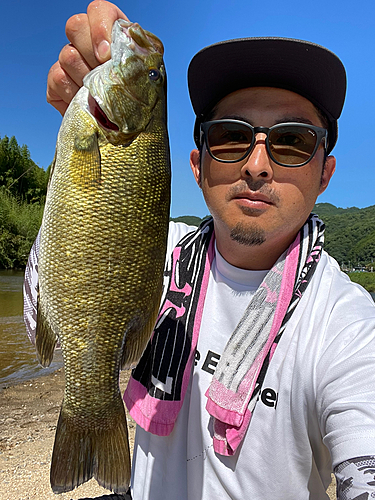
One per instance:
(316, 407)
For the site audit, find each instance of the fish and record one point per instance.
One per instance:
(102, 252)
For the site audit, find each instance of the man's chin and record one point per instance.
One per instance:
(248, 235)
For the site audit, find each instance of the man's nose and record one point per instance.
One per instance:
(258, 163)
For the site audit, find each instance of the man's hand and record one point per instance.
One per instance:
(90, 36)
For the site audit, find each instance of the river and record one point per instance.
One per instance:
(17, 355)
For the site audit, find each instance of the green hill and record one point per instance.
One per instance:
(190, 220)
(328, 209)
(350, 233)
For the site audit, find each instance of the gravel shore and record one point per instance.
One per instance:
(28, 417)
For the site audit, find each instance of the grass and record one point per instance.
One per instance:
(367, 280)
(19, 225)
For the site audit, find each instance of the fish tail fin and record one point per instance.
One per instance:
(82, 451)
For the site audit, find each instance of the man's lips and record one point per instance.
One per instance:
(254, 198)
(255, 202)
(258, 198)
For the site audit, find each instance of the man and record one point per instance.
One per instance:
(278, 387)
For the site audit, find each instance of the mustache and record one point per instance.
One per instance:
(254, 187)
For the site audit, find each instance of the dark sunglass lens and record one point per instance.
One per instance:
(229, 141)
(292, 144)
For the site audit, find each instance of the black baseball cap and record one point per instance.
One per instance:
(303, 67)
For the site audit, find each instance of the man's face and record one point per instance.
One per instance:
(256, 202)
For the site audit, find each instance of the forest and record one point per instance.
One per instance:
(350, 234)
(349, 237)
(23, 187)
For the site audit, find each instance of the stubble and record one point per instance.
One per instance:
(247, 235)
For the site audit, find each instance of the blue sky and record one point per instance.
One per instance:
(34, 32)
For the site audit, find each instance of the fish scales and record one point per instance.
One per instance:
(103, 242)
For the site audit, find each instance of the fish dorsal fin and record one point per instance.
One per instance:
(45, 338)
(51, 171)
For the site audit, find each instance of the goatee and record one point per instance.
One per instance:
(247, 235)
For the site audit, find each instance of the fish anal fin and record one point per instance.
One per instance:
(136, 340)
(45, 338)
(82, 451)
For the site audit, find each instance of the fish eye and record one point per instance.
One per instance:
(154, 74)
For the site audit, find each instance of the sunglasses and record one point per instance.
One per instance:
(288, 144)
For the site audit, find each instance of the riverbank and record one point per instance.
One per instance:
(29, 412)
(28, 417)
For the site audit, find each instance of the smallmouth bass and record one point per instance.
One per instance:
(102, 252)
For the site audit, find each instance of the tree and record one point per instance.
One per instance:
(19, 174)
(23, 187)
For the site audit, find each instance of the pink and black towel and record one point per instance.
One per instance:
(158, 385)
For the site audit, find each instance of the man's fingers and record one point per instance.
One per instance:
(78, 32)
(101, 16)
(90, 36)
(72, 62)
(60, 88)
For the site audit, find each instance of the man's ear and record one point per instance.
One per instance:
(195, 165)
(328, 170)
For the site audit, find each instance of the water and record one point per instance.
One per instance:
(17, 355)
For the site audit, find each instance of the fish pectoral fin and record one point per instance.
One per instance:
(45, 339)
(91, 447)
(87, 160)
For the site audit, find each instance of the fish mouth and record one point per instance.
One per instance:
(99, 115)
(138, 40)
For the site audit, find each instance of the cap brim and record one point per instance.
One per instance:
(296, 65)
